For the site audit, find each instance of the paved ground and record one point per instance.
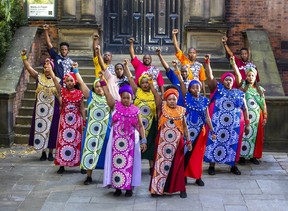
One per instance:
(29, 184)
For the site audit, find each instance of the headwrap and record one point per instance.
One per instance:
(95, 82)
(170, 92)
(227, 74)
(126, 88)
(250, 69)
(142, 77)
(70, 75)
(194, 81)
(51, 61)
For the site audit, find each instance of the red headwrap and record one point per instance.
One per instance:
(70, 75)
(227, 74)
(170, 92)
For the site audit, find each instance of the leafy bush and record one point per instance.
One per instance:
(11, 17)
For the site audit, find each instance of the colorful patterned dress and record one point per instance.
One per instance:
(44, 126)
(228, 124)
(252, 143)
(196, 120)
(145, 101)
(70, 129)
(123, 157)
(96, 134)
(168, 172)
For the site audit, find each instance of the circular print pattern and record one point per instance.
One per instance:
(67, 152)
(245, 148)
(170, 123)
(88, 160)
(223, 135)
(70, 118)
(39, 141)
(42, 110)
(95, 128)
(250, 134)
(219, 153)
(193, 132)
(69, 134)
(228, 105)
(252, 116)
(91, 144)
(43, 98)
(252, 103)
(226, 119)
(119, 161)
(165, 167)
(170, 135)
(121, 144)
(145, 110)
(41, 125)
(145, 123)
(160, 184)
(118, 179)
(168, 151)
(98, 114)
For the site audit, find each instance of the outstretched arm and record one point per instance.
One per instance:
(131, 48)
(227, 49)
(236, 71)
(158, 99)
(109, 98)
(56, 82)
(95, 43)
(100, 58)
(180, 79)
(209, 123)
(27, 66)
(162, 60)
(175, 41)
(46, 35)
(211, 81)
(186, 135)
(143, 141)
(129, 75)
(84, 88)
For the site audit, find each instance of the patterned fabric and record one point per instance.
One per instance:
(111, 68)
(70, 129)
(124, 121)
(255, 104)
(96, 131)
(225, 119)
(196, 114)
(44, 110)
(155, 72)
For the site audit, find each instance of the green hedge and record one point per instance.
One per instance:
(11, 17)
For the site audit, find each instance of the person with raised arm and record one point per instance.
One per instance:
(122, 168)
(227, 109)
(44, 125)
(252, 143)
(195, 68)
(145, 66)
(62, 63)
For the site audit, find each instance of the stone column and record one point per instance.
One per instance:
(196, 9)
(69, 10)
(217, 10)
(6, 118)
(88, 10)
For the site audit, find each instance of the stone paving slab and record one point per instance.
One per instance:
(28, 184)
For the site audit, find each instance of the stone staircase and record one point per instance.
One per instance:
(86, 69)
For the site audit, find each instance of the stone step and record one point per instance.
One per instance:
(28, 102)
(23, 120)
(21, 139)
(23, 111)
(22, 129)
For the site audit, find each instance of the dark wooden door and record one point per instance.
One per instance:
(150, 22)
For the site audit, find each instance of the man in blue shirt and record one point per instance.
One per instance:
(173, 77)
(62, 62)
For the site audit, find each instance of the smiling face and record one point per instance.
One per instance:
(147, 60)
(126, 99)
(228, 82)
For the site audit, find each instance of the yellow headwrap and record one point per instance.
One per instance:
(142, 77)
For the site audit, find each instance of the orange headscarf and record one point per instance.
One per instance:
(171, 91)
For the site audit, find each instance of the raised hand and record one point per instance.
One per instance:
(131, 40)
(45, 26)
(232, 60)
(175, 31)
(158, 51)
(125, 62)
(24, 52)
(224, 39)
(96, 36)
(75, 65)
(174, 63)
